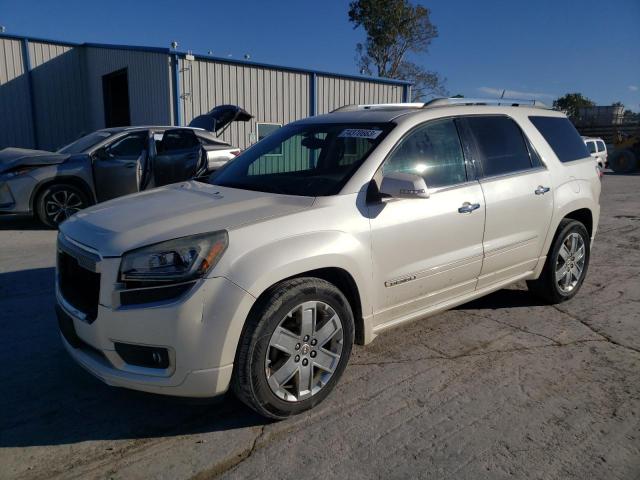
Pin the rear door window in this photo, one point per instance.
(174, 141)
(591, 146)
(501, 145)
(601, 147)
(562, 137)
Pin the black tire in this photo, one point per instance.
(546, 287)
(52, 196)
(623, 161)
(250, 383)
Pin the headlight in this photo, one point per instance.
(174, 261)
(18, 171)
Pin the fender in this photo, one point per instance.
(297, 254)
(70, 179)
(570, 196)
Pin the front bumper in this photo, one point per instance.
(15, 194)
(200, 330)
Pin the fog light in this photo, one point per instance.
(143, 356)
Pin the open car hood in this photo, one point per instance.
(218, 119)
(17, 157)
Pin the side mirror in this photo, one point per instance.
(403, 185)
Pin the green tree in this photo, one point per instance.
(395, 29)
(570, 103)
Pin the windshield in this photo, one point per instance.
(85, 143)
(306, 160)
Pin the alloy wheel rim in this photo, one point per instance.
(304, 351)
(62, 204)
(570, 262)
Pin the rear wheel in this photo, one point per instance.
(294, 348)
(58, 202)
(566, 265)
(623, 161)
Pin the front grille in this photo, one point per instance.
(79, 287)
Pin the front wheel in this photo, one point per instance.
(566, 265)
(294, 348)
(58, 202)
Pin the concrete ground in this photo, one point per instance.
(503, 387)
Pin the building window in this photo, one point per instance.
(266, 129)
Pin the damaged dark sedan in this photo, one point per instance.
(112, 162)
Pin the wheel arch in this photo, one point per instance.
(334, 256)
(343, 281)
(61, 180)
(582, 215)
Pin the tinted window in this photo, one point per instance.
(173, 140)
(562, 137)
(266, 129)
(130, 146)
(314, 159)
(601, 147)
(536, 161)
(501, 145)
(432, 151)
(591, 146)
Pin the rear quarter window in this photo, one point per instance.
(562, 137)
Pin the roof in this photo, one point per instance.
(383, 113)
(212, 58)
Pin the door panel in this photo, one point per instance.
(178, 158)
(117, 168)
(518, 197)
(426, 251)
(516, 224)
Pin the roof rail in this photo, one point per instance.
(377, 106)
(511, 102)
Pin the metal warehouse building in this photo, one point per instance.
(52, 92)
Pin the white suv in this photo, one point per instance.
(598, 150)
(327, 232)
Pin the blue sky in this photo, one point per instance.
(539, 49)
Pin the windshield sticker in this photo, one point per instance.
(360, 133)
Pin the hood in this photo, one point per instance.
(17, 157)
(218, 119)
(174, 211)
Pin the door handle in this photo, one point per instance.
(541, 190)
(468, 207)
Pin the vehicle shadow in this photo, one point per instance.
(49, 400)
(614, 174)
(9, 222)
(510, 298)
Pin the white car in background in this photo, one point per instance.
(326, 233)
(598, 150)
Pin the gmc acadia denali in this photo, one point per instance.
(324, 234)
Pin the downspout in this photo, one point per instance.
(175, 70)
(313, 99)
(405, 93)
(26, 58)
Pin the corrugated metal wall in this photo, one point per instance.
(59, 91)
(270, 95)
(334, 92)
(66, 83)
(15, 107)
(149, 85)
